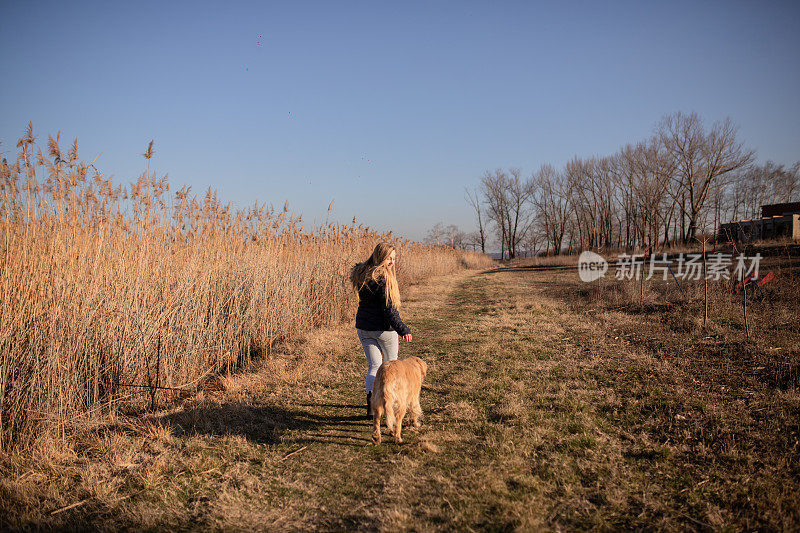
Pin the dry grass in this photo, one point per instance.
(548, 260)
(541, 411)
(673, 319)
(715, 413)
(548, 404)
(110, 294)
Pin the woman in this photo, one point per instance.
(378, 322)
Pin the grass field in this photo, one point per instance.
(545, 407)
(111, 295)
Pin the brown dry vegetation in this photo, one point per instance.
(669, 321)
(545, 407)
(107, 292)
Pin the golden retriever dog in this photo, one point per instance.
(395, 391)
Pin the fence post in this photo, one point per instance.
(705, 287)
(641, 285)
(744, 306)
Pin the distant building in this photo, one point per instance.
(778, 221)
(779, 210)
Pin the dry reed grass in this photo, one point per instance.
(109, 292)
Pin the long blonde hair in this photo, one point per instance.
(374, 269)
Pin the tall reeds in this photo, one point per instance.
(108, 290)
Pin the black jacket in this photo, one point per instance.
(374, 314)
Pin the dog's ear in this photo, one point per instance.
(423, 367)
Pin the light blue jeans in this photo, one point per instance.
(379, 346)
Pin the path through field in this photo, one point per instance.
(534, 417)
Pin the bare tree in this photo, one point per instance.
(472, 240)
(453, 236)
(699, 158)
(791, 184)
(507, 205)
(757, 185)
(531, 240)
(449, 235)
(518, 194)
(653, 171)
(672, 186)
(551, 203)
(590, 181)
(474, 201)
(436, 234)
(493, 187)
(624, 174)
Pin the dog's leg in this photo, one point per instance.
(416, 413)
(399, 423)
(376, 429)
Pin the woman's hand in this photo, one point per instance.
(407, 337)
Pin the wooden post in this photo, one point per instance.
(599, 291)
(705, 287)
(641, 285)
(744, 308)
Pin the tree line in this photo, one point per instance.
(674, 187)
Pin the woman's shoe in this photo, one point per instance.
(369, 404)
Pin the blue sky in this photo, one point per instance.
(389, 109)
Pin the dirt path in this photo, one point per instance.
(531, 420)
